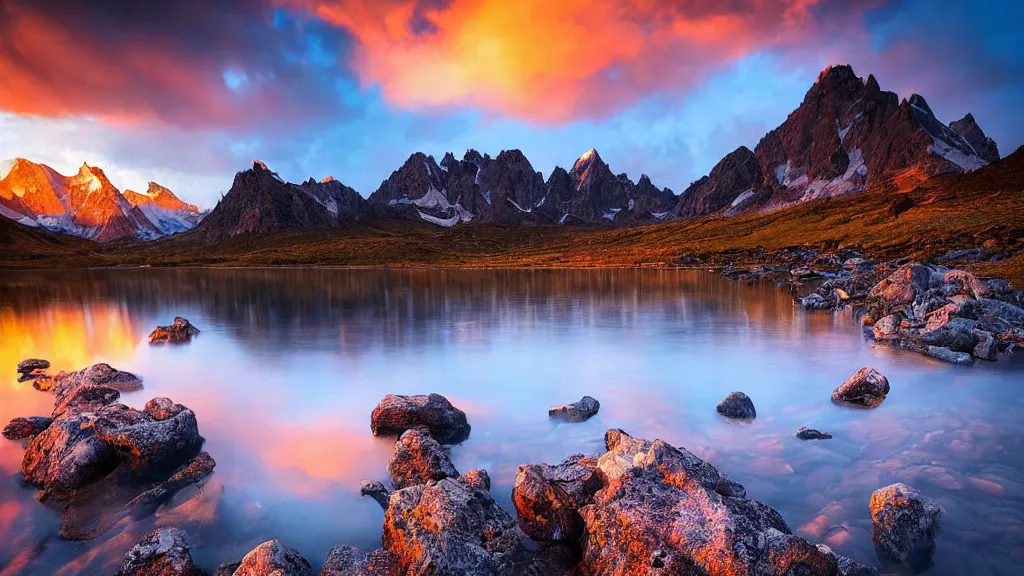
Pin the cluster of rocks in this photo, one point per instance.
(179, 332)
(946, 313)
(641, 507)
(799, 267)
(647, 507)
(99, 460)
(949, 314)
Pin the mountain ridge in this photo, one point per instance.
(846, 135)
(88, 205)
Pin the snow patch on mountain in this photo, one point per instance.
(742, 198)
(517, 206)
(446, 222)
(611, 213)
(966, 162)
(850, 181)
(433, 199)
(6, 166)
(168, 221)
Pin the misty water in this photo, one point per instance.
(290, 363)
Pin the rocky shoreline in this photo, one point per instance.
(930, 308)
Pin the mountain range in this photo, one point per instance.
(88, 205)
(845, 136)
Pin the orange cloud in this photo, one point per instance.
(50, 70)
(551, 61)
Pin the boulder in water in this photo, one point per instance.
(578, 411)
(662, 510)
(867, 387)
(395, 414)
(31, 365)
(737, 405)
(905, 521)
(179, 332)
(417, 459)
(162, 552)
(272, 558)
(805, 433)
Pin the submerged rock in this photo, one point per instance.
(815, 301)
(417, 459)
(376, 490)
(547, 498)
(867, 387)
(22, 428)
(395, 414)
(805, 433)
(577, 411)
(32, 365)
(905, 521)
(947, 355)
(162, 552)
(848, 567)
(179, 332)
(272, 558)
(192, 472)
(737, 405)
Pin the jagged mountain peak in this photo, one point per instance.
(918, 101)
(872, 84)
(836, 73)
(972, 133)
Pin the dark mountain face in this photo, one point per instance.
(260, 202)
(976, 138)
(732, 184)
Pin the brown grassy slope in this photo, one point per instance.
(905, 217)
(24, 247)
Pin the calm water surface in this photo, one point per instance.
(291, 363)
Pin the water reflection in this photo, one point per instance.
(291, 362)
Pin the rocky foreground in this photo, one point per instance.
(943, 312)
(641, 507)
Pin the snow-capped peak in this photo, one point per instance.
(327, 179)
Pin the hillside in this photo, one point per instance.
(901, 217)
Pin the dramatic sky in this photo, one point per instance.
(187, 92)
